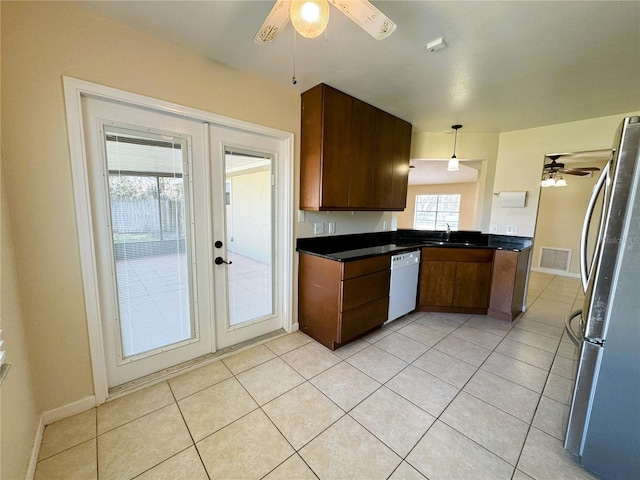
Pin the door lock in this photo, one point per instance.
(218, 244)
(220, 261)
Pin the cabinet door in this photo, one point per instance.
(437, 283)
(472, 285)
(401, 154)
(319, 298)
(363, 124)
(383, 160)
(336, 148)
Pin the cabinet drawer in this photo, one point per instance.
(457, 254)
(365, 266)
(367, 288)
(358, 320)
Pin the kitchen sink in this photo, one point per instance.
(451, 244)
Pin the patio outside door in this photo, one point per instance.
(244, 226)
(146, 169)
(185, 230)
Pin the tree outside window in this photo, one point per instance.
(434, 212)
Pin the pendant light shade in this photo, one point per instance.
(454, 164)
(309, 17)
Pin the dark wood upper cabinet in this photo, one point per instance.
(361, 168)
(401, 154)
(353, 155)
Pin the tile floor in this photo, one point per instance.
(445, 396)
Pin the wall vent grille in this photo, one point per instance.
(555, 258)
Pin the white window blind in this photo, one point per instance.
(435, 212)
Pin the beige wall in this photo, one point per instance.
(467, 193)
(41, 42)
(18, 409)
(521, 159)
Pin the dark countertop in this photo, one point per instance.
(344, 248)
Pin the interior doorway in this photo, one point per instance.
(561, 212)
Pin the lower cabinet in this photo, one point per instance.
(339, 301)
(509, 282)
(455, 280)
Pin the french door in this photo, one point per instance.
(185, 230)
(247, 262)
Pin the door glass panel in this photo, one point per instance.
(150, 240)
(249, 229)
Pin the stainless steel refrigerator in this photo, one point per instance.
(604, 421)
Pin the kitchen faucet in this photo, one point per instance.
(448, 236)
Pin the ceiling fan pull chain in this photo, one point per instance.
(293, 79)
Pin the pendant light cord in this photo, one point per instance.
(455, 138)
(455, 142)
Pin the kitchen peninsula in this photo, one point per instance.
(344, 280)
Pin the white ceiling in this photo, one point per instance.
(508, 65)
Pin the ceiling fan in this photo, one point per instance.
(559, 168)
(310, 17)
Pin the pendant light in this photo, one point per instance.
(454, 165)
(309, 17)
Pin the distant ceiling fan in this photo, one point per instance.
(559, 168)
(310, 18)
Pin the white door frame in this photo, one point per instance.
(74, 90)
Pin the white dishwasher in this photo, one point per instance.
(404, 284)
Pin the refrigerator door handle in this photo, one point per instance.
(567, 326)
(585, 270)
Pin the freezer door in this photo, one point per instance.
(611, 445)
(590, 355)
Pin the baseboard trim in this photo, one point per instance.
(65, 411)
(35, 450)
(52, 416)
(555, 272)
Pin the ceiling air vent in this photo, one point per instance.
(555, 258)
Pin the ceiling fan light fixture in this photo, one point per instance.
(560, 182)
(309, 17)
(548, 180)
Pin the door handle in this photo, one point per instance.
(585, 271)
(220, 261)
(567, 326)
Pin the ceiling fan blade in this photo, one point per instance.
(570, 171)
(366, 16)
(586, 169)
(276, 20)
